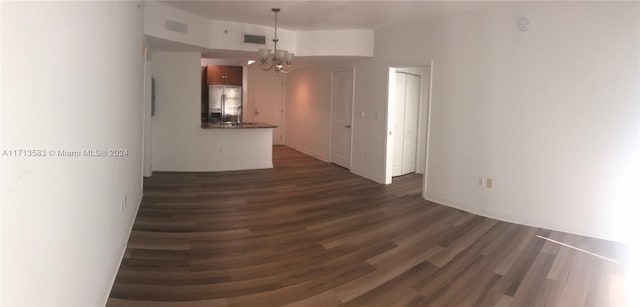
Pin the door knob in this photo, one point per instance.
(347, 126)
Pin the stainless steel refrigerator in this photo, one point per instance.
(225, 103)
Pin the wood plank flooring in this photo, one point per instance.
(308, 233)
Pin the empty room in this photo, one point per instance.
(319, 153)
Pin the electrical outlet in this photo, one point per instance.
(489, 183)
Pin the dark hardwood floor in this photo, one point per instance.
(308, 233)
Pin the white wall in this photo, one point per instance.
(178, 141)
(71, 79)
(551, 114)
(156, 14)
(307, 110)
(209, 34)
(536, 111)
(230, 36)
(335, 43)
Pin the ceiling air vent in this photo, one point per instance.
(176, 26)
(254, 39)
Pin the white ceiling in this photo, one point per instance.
(325, 15)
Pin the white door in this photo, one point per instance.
(398, 124)
(267, 107)
(342, 89)
(405, 126)
(410, 129)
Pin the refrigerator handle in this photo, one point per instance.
(222, 108)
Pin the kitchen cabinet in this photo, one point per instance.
(224, 75)
(204, 95)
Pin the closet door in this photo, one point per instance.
(398, 124)
(410, 129)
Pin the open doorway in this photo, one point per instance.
(267, 102)
(409, 92)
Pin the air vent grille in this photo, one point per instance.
(254, 39)
(176, 26)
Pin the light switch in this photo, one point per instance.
(361, 114)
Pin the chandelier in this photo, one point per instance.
(279, 58)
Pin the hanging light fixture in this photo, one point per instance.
(279, 58)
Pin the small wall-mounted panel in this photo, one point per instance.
(255, 39)
(175, 26)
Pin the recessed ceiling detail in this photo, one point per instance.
(215, 35)
(326, 15)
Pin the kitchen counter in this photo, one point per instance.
(219, 147)
(236, 126)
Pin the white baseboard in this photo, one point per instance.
(124, 250)
(515, 218)
(308, 152)
(365, 175)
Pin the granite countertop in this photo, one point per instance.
(209, 125)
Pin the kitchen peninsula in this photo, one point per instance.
(223, 125)
(236, 146)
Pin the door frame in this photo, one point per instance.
(388, 139)
(147, 167)
(352, 69)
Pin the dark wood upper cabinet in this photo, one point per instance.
(204, 95)
(234, 75)
(214, 75)
(224, 75)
